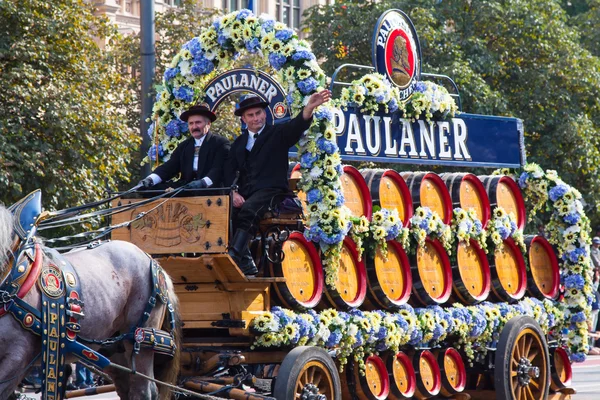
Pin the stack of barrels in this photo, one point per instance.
(427, 277)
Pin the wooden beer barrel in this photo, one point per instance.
(427, 371)
(453, 372)
(471, 274)
(373, 385)
(350, 288)
(468, 193)
(561, 371)
(390, 280)
(428, 190)
(356, 193)
(403, 381)
(504, 192)
(431, 274)
(303, 272)
(388, 190)
(543, 277)
(509, 277)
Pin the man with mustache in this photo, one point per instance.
(400, 64)
(258, 165)
(199, 159)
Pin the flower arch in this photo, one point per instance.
(294, 66)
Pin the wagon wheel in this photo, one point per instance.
(522, 368)
(307, 373)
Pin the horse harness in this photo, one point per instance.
(62, 305)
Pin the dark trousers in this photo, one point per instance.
(248, 216)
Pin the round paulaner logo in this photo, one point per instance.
(397, 52)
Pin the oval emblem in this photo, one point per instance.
(51, 281)
(397, 52)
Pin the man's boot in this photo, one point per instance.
(239, 251)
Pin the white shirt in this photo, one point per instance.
(197, 143)
(252, 138)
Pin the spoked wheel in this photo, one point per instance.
(522, 368)
(307, 373)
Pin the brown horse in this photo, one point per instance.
(116, 284)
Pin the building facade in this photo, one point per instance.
(126, 13)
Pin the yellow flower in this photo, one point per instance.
(379, 233)
(303, 73)
(358, 98)
(288, 50)
(226, 20)
(329, 134)
(329, 173)
(276, 45)
(499, 212)
(186, 54)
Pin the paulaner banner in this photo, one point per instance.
(467, 140)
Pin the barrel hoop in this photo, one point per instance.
(533, 285)
(376, 292)
(458, 386)
(362, 186)
(559, 354)
(411, 386)
(435, 369)
(383, 374)
(465, 295)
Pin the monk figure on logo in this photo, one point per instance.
(400, 65)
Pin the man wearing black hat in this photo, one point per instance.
(199, 158)
(258, 164)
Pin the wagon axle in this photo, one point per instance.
(526, 371)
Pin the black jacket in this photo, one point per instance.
(267, 164)
(211, 159)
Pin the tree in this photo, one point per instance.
(519, 58)
(60, 127)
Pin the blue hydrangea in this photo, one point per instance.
(308, 85)
(334, 338)
(420, 87)
(339, 169)
(324, 113)
(392, 105)
(172, 129)
(217, 24)
(301, 55)
(416, 337)
(326, 146)
(268, 25)
(150, 131)
(438, 331)
(314, 196)
(183, 126)
(202, 66)
(313, 233)
(332, 239)
(573, 256)
(575, 281)
(579, 317)
(578, 357)
(572, 218)
(478, 226)
(253, 45)
(424, 224)
(557, 192)
(152, 151)
(245, 13)
(184, 93)
(504, 232)
(289, 98)
(277, 61)
(171, 73)
(194, 46)
(307, 160)
(379, 97)
(284, 34)
(523, 180)
(222, 39)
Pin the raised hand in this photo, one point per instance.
(315, 101)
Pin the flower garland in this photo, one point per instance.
(297, 70)
(359, 333)
(372, 236)
(430, 100)
(426, 223)
(467, 227)
(567, 227)
(502, 226)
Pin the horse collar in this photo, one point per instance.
(22, 275)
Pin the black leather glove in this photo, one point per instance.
(199, 184)
(146, 182)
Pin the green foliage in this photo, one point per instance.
(60, 129)
(531, 59)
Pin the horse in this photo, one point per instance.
(116, 283)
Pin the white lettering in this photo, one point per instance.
(272, 92)
(354, 136)
(220, 88)
(244, 81)
(263, 87)
(235, 82)
(227, 82)
(339, 122)
(445, 151)
(373, 138)
(211, 93)
(408, 139)
(391, 147)
(255, 81)
(460, 138)
(427, 139)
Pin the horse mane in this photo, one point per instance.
(6, 236)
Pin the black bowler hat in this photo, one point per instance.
(198, 110)
(250, 102)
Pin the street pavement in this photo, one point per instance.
(586, 380)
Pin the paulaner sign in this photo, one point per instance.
(466, 140)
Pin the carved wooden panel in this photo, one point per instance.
(179, 225)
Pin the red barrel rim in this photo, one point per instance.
(523, 272)
(403, 298)
(445, 194)
(408, 212)
(295, 169)
(455, 355)
(385, 379)
(362, 185)
(518, 198)
(447, 270)
(412, 383)
(487, 211)
(362, 274)
(437, 386)
(485, 292)
(553, 261)
(562, 353)
(319, 278)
